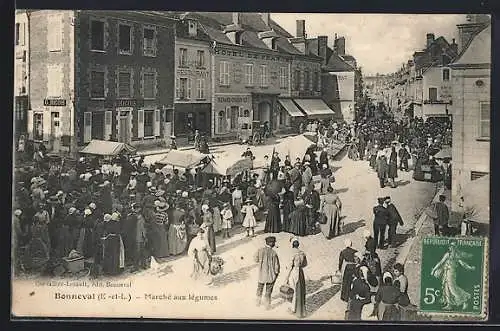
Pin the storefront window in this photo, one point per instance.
(38, 127)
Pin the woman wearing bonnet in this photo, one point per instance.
(359, 294)
(200, 253)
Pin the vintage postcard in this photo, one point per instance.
(257, 166)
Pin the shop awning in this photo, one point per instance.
(183, 159)
(314, 107)
(477, 200)
(295, 147)
(291, 108)
(106, 148)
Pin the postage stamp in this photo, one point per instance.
(452, 276)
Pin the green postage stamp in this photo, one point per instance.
(452, 278)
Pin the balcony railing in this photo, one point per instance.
(437, 102)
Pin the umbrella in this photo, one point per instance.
(476, 195)
(444, 153)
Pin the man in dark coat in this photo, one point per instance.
(275, 165)
(382, 169)
(140, 238)
(393, 166)
(443, 215)
(404, 156)
(394, 220)
(296, 179)
(381, 217)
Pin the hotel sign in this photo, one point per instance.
(129, 103)
(250, 55)
(191, 72)
(54, 102)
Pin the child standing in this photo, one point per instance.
(227, 220)
(249, 222)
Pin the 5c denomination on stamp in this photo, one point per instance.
(452, 276)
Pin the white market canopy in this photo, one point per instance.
(106, 148)
(296, 147)
(444, 153)
(225, 166)
(477, 200)
(183, 159)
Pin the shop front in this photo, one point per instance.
(232, 115)
(315, 109)
(289, 116)
(189, 117)
(266, 109)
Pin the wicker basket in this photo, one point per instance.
(286, 292)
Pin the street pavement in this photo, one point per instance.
(357, 186)
(232, 293)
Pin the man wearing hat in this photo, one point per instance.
(296, 179)
(380, 221)
(269, 269)
(173, 144)
(393, 221)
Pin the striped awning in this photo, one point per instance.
(314, 107)
(290, 108)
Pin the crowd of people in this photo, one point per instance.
(122, 214)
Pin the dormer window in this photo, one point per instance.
(237, 37)
(192, 28)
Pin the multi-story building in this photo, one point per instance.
(193, 80)
(471, 108)
(99, 75)
(21, 69)
(252, 60)
(431, 81)
(338, 88)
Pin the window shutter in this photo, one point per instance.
(58, 28)
(157, 123)
(87, 125)
(29, 124)
(140, 123)
(21, 34)
(189, 81)
(108, 120)
(46, 125)
(221, 72)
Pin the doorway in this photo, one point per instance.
(55, 132)
(264, 112)
(124, 135)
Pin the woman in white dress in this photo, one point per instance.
(200, 253)
(249, 222)
(227, 220)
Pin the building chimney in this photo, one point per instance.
(469, 29)
(339, 46)
(454, 46)
(266, 17)
(430, 39)
(301, 28)
(322, 47)
(236, 18)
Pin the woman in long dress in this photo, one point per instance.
(208, 225)
(237, 200)
(113, 253)
(216, 218)
(287, 207)
(157, 236)
(298, 219)
(386, 299)
(249, 222)
(360, 294)
(296, 280)
(200, 253)
(39, 246)
(177, 234)
(446, 271)
(331, 207)
(86, 241)
(347, 265)
(273, 217)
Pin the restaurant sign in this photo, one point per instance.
(54, 102)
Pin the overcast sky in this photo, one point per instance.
(379, 42)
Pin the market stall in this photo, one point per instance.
(183, 159)
(107, 148)
(295, 147)
(227, 167)
(476, 204)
